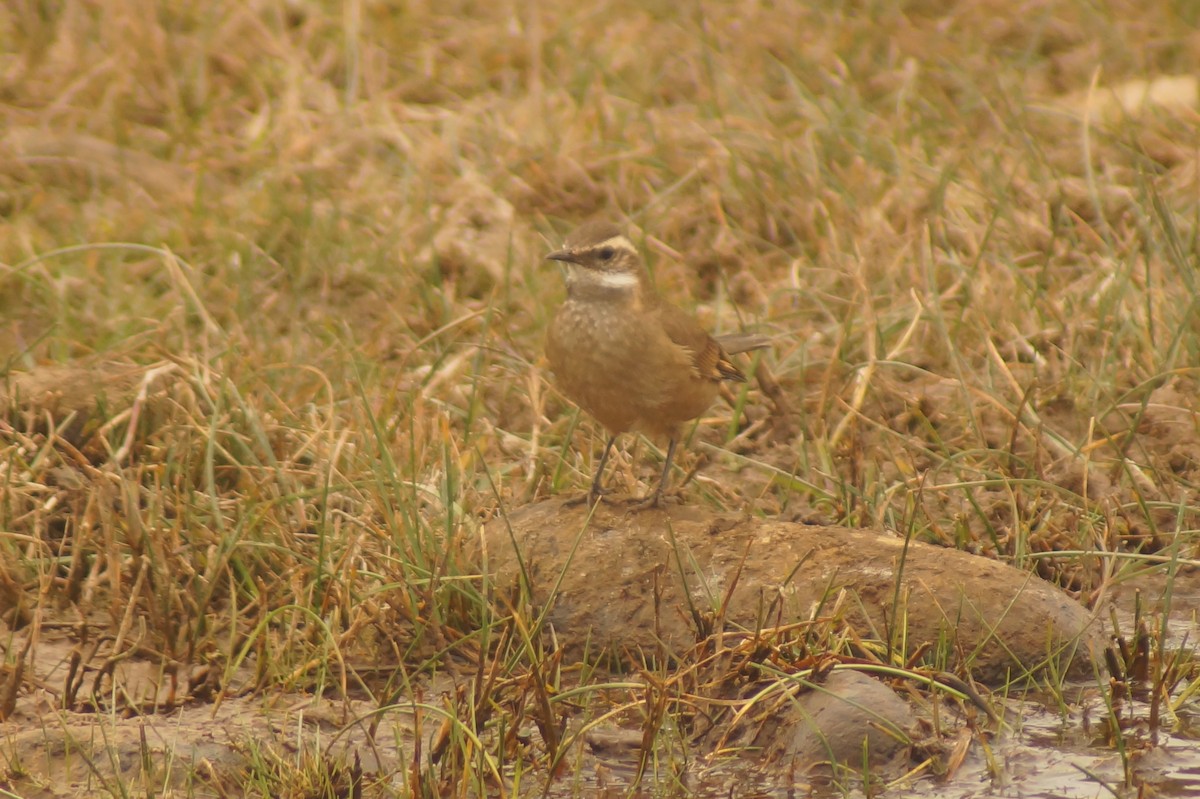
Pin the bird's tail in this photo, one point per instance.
(734, 343)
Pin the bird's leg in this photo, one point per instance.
(654, 500)
(596, 491)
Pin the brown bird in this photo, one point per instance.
(626, 356)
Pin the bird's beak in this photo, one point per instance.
(563, 255)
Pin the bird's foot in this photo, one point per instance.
(592, 497)
(658, 499)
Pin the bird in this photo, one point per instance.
(629, 358)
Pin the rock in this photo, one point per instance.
(629, 582)
(848, 718)
(83, 397)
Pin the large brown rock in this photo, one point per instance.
(630, 581)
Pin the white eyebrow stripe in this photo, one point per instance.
(617, 243)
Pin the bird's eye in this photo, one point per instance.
(606, 253)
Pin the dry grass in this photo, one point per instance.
(321, 227)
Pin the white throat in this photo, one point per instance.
(616, 280)
(609, 280)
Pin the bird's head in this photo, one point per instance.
(600, 255)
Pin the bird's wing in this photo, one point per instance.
(708, 357)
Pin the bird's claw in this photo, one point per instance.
(658, 499)
(592, 497)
